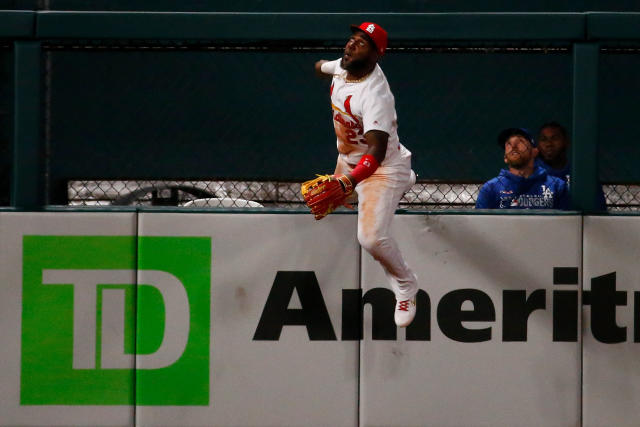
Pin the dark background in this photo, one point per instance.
(204, 111)
(327, 5)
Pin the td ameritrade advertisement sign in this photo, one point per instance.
(95, 325)
(115, 320)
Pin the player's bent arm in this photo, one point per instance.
(319, 72)
(377, 142)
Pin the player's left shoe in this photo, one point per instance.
(405, 312)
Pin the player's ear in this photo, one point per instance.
(535, 152)
(505, 158)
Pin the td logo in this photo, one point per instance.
(115, 320)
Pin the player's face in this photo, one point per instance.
(518, 152)
(551, 143)
(357, 52)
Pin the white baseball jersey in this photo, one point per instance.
(359, 107)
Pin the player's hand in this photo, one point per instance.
(326, 193)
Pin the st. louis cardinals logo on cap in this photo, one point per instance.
(376, 33)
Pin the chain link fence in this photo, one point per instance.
(622, 197)
(244, 194)
(257, 194)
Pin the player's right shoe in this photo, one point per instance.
(405, 312)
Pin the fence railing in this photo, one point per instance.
(242, 194)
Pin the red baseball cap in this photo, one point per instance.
(376, 33)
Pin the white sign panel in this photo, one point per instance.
(208, 319)
(257, 301)
(611, 321)
(496, 337)
(63, 316)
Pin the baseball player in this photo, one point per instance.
(371, 158)
(522, 185)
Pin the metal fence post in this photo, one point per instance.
(584, 147)
(27, 189)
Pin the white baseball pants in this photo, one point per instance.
(378, 198)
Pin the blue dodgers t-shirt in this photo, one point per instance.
(538, 191)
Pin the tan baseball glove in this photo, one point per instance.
(326, 193)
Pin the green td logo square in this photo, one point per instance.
(115, 320)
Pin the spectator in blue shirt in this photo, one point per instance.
(553, 144)
(522, 185)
